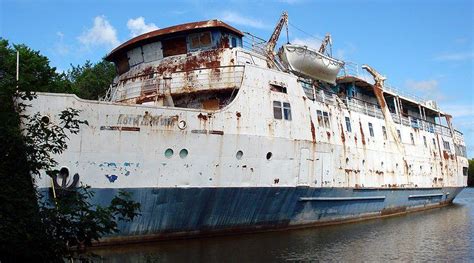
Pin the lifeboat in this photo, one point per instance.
(308, 62)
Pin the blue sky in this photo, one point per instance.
(423, 47)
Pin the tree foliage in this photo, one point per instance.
(35, 227)
(91, 81)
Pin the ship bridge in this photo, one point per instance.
(191, 65)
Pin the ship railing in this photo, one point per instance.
(203, 79)
(374, 110)
(355, 70)
(364, 107)
(254, 43)
(458, 135)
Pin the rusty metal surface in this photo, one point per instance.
(154, 35)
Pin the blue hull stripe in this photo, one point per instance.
(190, 211)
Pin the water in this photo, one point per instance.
(444, 234)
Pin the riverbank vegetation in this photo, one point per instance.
(45, 227)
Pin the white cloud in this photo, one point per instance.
(460, 56)
(422, 85)
(137, 26)
(427, 89)
(311, 42)
(238, 19)
(462, 111)
(102, 33)
(60, 47)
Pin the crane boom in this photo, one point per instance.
(379, 79)
(274, 38)
(327, 41)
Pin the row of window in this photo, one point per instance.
(384, 132)
(282, 110)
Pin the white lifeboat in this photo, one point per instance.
(308, 62)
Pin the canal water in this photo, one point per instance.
(442, 234)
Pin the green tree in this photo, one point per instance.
(91, 81)
(33, 227)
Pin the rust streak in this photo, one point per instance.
(362, 133)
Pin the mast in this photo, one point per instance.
(274, 38)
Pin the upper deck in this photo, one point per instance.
(201, 65)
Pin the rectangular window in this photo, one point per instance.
(277, 88)
(308, 89)
(465, 171)
(348, 124)
(434, 142)
(234, 42)
(384, 131)
(277, 110)
(446, 145)
(174, 46)
(320, 118)
(200, 40)
(287, 111)
(327, 123)
(399, 135)
(371, 130)
(424, 141)
(412, 138)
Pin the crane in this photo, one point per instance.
(327, 41)
(274, 38)
(379, 79)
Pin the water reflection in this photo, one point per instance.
(443, 234)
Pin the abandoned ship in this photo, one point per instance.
(215, 131)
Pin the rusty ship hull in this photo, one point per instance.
(170, 213)
(212, 137)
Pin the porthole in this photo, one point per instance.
(183, 153)
(239, 155)
(381, 164)
(363, 162)
(182, 125)
(169, 153)
(269, 155)
(347, 160)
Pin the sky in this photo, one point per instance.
(425, 48)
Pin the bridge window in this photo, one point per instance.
(234, 42)
(174, 46)
(348, 124)
(200, 40)
(371, 129)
